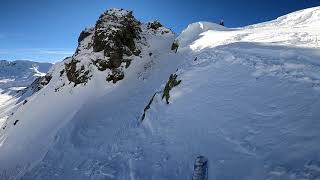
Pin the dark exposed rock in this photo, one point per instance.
(46, 79)
(102, 64)
(77, 76)
(59, 87)
(200, 171)
(116, 75)
(147, 107)
(172, 82)
(25, 102)
(62, 72)
(137, 52)
(116, 35)
(15, 122)
(38, 84)
(175, 46)
(114, 41)
(154, 25)
(128, 62)
(83, 35)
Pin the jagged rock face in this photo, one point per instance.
(116, 39)
(85, 33)
(77, 76)
(114, 35)
(172, 82)
(157, 27)
(38, 84)
(154, 25)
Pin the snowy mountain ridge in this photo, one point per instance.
(303, 18)
(20, 73)
(137, 102)
(14, 77)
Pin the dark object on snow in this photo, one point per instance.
(147, 107)
(175, 46)
(154, 25)
(15, 122)
(172, 82)
(38, 84)
(200, 171)
(116, 75)
(195, 59)
(221, 23)
(25, 102)
(77, 76)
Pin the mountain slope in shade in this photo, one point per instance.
(126, 106)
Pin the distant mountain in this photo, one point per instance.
(136, 101)
(19, 80)
(21, 73)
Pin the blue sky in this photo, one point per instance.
(47, 30)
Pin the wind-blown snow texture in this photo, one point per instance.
(248, 101)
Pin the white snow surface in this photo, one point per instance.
(14, 77)
(248, 100)
(20, 72)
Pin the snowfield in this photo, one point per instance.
(248, 101)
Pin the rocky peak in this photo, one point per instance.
(115, 32)
(116, 39)
(154, 25)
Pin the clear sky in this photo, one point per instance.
(47, 30)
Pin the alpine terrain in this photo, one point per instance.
(15, 76)
(136, 101)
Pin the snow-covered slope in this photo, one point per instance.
(14, 77)
(125, 106)
(20, 73)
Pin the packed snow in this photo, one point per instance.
(248, 101)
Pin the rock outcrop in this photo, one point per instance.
(116, 39)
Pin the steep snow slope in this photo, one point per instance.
(248, 96)
(90, 75)
(15, 76)
(20, 73)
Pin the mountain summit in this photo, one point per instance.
(135, 101)
(116, 40)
